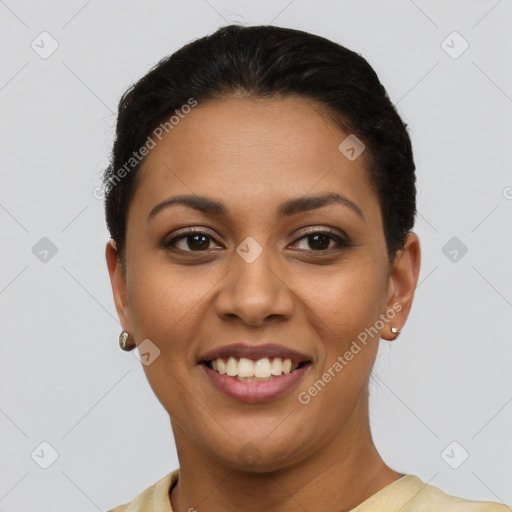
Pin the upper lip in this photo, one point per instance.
(254, 352)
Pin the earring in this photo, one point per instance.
(396, 332)
(123, 342)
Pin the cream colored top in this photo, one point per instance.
(407, 494)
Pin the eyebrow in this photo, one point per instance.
(290, 207)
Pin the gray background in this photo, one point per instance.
(64, 379)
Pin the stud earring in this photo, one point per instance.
(396, 332)
(123, 342)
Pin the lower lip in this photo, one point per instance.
(252, 392)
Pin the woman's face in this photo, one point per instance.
(256, 274)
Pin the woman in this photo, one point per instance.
(260, 199)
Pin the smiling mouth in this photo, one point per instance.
(249, 370)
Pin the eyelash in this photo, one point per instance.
(342, 243)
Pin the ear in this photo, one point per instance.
(403, 280)
(117, 280)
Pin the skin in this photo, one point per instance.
(252, 155)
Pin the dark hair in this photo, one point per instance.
(264, 62)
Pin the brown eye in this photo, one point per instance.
(189, 241)
(320, 241)
(195, 242)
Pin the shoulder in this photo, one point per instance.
(154, 498)
(425, 498)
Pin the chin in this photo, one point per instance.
(258, 457)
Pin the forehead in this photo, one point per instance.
(254, 151)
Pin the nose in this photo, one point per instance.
(254, 292)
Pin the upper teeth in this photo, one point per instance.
(243, 367)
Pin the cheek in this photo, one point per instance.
(167, 304)
(344, 302)
(161, 300)
(340, 307)
(164, 306)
